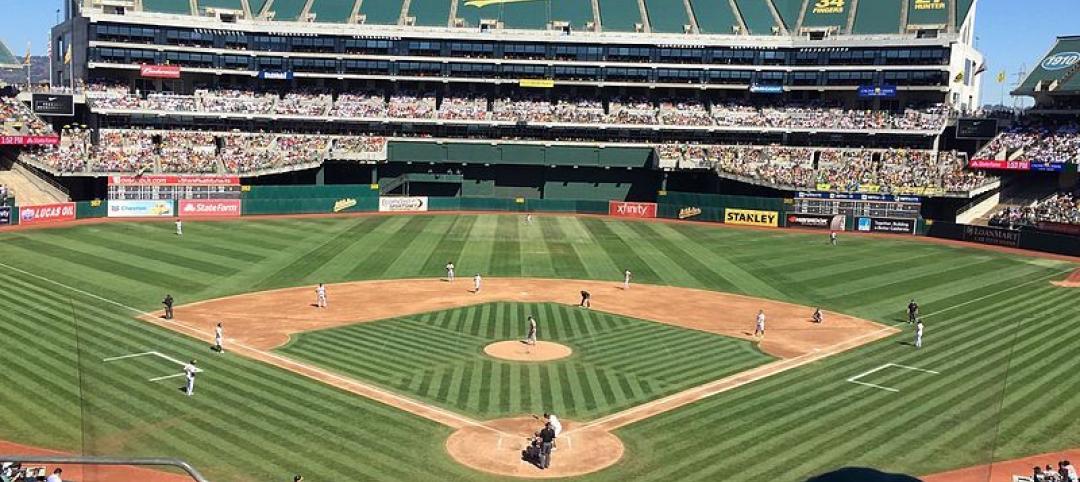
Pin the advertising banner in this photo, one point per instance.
(276, 74)
(750, 217)
(994, 236)
(870, 91)
(814, 221)
(400, 204)
(996, 164)
(536, 83)
(53, 104)
(5, 215)
(47, 213)
(766, 89)
(884, 225)
(160, 71)
(140, 208)
(1048, 166)
(209, 208)
(29, 140)
(631, 209)
(166, 180)
(1070, 229)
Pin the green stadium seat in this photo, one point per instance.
(789, 11)
(332, 11)
(229, 4)
(619, 15)
(287, 10)
(824, 14)
(667, 16)
(430, 13)
(759, 19)
(576, 12)
(167, 6)
(714, 16)
(381, 12)
(928, 12)
(878, 17)
(525, 15)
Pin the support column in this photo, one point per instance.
(320, 176)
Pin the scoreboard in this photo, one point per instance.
(161, 187)
(858, 205)
(976, 128)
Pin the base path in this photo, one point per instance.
(91, 473)
(497, 448)
(1073, 281)
(1005, 470)
(515, 350)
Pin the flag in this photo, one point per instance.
(981, 69)
(1001, 77)
(959, 77)
(26, 59)
(67, 56)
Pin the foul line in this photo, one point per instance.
(157, 354)
(855, 379)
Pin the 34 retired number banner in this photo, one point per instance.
(210, 208)
(624, 209)
(399, 204)
(47, 213)
(749, 217)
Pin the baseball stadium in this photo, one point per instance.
(585, 240)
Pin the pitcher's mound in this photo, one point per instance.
(517, 351)
(496, 448)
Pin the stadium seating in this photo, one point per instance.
(1036, 141)
(1060, 208)
(16, 119)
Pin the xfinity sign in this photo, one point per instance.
(1061, 60)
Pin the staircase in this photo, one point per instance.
(30, 188)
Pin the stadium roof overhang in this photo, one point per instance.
(7, 59)
(1058, 73)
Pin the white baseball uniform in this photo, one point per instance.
(626, 279)
(450, 271)
(320, 296)
(219, 338)
(179, 228)
(476, 283)
(530, 337)
(555, 424)
(918, 335)
(189, 373)
(760, 328)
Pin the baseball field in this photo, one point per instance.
(382, 383)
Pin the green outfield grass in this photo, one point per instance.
(618, 362)
(1003, 340)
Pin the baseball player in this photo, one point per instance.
(530, 336)
(626, 279)
(528, 218)
(918, 333)
(320, 296)
(179, 228)
(476, 283)
(168, 302)
(818, 317)
(586, 299)
(832, 238)
(912, 311)
(189, 373)
(449, 271)
(219, 337)
(554, 421)
(759, 329)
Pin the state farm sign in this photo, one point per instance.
(625, 209)
(210, 208)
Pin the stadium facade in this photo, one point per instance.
(644, 88)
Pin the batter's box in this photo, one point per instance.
(157, 354)
(855, 379)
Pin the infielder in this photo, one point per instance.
(818, 317)
(320, 296)
(626, 279)
(449, 271)
(759, 329)
(476, 283)
(918, 334)
(530, 336)
(189, 373)
(219, 338)
(586, 299)
(179, 228)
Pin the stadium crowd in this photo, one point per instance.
(1065, 472)
(1036, 141)
(526, 107)
(16, 119)
(1061, 208)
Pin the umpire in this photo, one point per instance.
(912, 311)
(168, 302)
(547, 440)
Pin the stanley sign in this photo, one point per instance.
(747, 217)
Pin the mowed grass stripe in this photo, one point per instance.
(378, 260)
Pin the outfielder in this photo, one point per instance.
(179, 228)
(476, 283)
(832, 238)
(918, 334)
(530, 336)
(219, 338)
(626, 279)
(189, 373)
(759, 329)
(320, 296)
(449, 271)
